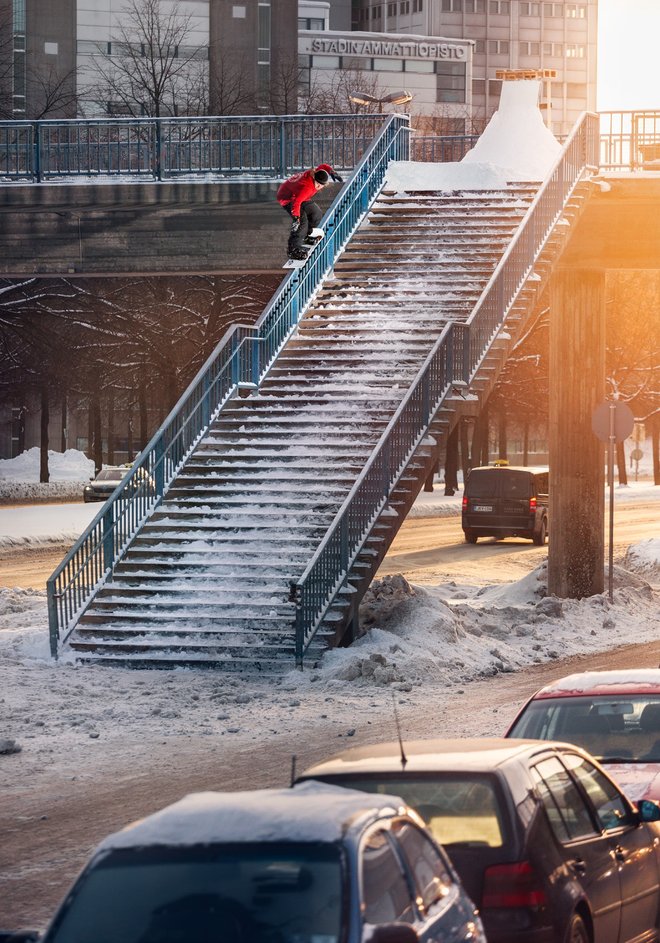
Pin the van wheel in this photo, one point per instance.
(576, 932)
(470, 538)
(539, 539)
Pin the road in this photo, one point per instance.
(52, 814)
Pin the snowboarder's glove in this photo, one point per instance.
(295, 225)
(337, 178)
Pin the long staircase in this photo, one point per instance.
(276, 498)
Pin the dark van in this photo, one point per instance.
(502, 501)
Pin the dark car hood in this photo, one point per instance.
(638, 780)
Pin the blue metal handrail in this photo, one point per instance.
(455, 357)
(243, 356)
(265, 146)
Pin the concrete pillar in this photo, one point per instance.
(577, 476)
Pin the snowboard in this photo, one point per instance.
(312, 239)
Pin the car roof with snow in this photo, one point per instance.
(469, 754)
(623, 681)
(308, 812)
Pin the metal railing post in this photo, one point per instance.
(159, 467)
(282, 168)
(108, 543)
(53, 626)
(36, 150)
(159, 150)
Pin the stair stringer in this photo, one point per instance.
(460, 402)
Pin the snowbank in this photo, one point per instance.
(19, 477)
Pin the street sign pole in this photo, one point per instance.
(611, 440)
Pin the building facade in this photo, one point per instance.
(507, 34)
(229, 56)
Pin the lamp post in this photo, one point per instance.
(394, 98)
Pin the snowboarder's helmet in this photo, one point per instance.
(321, 176)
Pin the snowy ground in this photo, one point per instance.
(420, 641)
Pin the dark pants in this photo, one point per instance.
(311, 215)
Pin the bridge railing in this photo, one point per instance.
(242, 358)
(168, 148)
(454, 358)
(629, 140)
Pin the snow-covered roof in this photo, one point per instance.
(422, 756)
(307, 812)
(624, 681)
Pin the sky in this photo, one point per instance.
(628, 60)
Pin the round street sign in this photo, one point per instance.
(636, 455)
(623, 421)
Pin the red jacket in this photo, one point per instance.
(300, 188)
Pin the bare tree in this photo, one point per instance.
(229, 91)
(332, 97)
(153, 68)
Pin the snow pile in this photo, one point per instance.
(71, 465)
(44, 525)
(516, 146)
(516, 137)
(644, 558)
(68, 471)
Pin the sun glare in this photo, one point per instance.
(628, 61)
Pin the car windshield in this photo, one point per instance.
(110, 474)
(458, 808)
(611, 727)
(271, 893)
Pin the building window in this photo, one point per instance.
(475, 6)
(391, 9)
(238, 13)
(450, 81)
(553, 9)
(419, 65)
(480, 47)
(418, 6)
(452, 6)
(530, 49)
(478, 88)
(530, 9)
(376, 13)
(556, 50)
(388, 65)
(575, 51)
(404, 6)
(499, 6)
(494, 88)
(326, 62)
(357, 63)
(311, 22)
(498, 47)
(575, 11)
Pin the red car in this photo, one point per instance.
(614, 715)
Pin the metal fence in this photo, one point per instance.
(242, 357)
(441, 148)
(629, 140)
(169, 148)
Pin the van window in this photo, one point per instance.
(482, 484)
(515, 484)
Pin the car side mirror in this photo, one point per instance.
(391, 933)
(649, 810)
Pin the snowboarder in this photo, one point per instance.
(295, 196)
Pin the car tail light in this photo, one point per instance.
(512, 885)
(465, 503)
(532, 505)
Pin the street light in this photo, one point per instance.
(394, 98)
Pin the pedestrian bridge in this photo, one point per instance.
(250, 527)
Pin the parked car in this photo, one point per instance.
(615, 715)
(310, 864)
(101, 487)
(547, 846)
(503, 501)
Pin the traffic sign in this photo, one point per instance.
(623, 421)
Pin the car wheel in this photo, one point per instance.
(539, 539)
(576, 932)
(470, 538)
